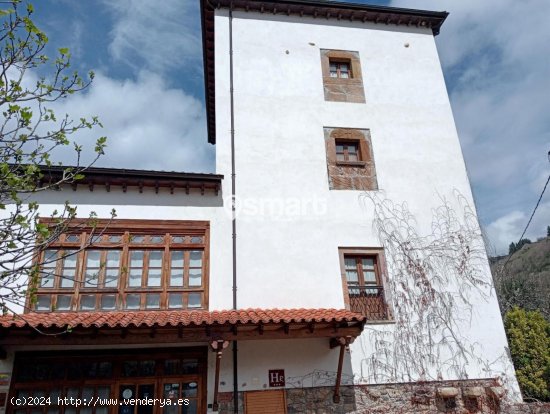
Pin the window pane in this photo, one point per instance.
(189, 389)
(50, 257)
(69, 261)
(195, 258)
(88, 393)
(176, 259)
(175, 301)
(64, 302)
(153, 278)
(194, 300)
(353, 157)
(195, 277)
(108, 302)
(350, 263)
(176, 277)
(67, 278)
(87, 302)
(93, 266)
(93, 258)
(72, 238)
(133, 301)
(136, 258)
(339, 149)
(153, 301)
(114, 238)
(135, 278)
(155, 258)
(46, 278)
(172, 390)
(113, 258)
(368, 264)
(351, 276)
(91, 278)
(137, 239)
(103, 392)
(43, 302)
(370, 277)
(196, 239)
(111, 278)
(191, 408)
(178, 239)
(157, 239)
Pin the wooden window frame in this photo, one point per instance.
(196, 237)
(338, 63)
(380, 272)
(346, 142)
(117, 378)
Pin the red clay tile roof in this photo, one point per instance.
(177, 318)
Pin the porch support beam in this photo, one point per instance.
(218, 347)
(343, 342)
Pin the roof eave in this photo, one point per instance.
(329, 9)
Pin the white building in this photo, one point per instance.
(327, 118)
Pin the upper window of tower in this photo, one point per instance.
(342, 79)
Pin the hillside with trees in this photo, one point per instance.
(522, 279)
(522, 282)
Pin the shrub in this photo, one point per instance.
(529, 339)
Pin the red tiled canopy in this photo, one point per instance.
(178, 318)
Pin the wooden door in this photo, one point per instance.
(265, 402)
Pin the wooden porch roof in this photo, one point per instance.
(177, 326)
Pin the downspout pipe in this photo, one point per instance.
(233, 210)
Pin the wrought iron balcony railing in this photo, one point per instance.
(369, 301)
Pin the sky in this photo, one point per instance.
(149, 92)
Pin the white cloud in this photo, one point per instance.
(493, 55)
(508, 228)
(159, 36)
(148, 124)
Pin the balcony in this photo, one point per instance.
(369, 301)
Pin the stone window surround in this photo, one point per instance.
(342, 89)
(365, 155)
(378, 254)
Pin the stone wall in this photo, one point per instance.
(471, 396)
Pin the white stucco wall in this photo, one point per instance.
(290, 225)
(291, 260)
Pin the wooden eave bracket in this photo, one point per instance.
(217, 346)
(343, 342)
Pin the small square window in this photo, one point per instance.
(347, 151)
(350, 161)
(340, 69)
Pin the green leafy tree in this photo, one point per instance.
(548, 231)
(30, 132)
(529, 338)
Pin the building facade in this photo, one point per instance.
(333, 263)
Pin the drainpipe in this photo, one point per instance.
(233, 211)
